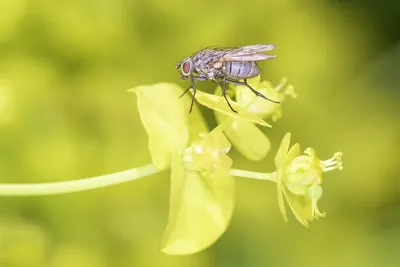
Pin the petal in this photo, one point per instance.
(282, 151)
(292, 154)
(254, 82)
(292, 200)
(297, 188)
(280, 164)
(249, 140)
(281, 203)
(164, 119)
(244, 96)
(219, 104)
(301, 207)
(200, 210)
(257, 105)
(265, 108)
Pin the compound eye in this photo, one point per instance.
(186, 68)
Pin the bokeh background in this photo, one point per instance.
(65, 114)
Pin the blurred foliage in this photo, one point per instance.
(65, 114)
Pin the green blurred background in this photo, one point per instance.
(65, 114)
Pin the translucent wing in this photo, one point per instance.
(247, 53)
(256, 48)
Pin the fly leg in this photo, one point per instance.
(194, 94)
(187, 90)
(224, 93)
(192, 78)
(254, 91)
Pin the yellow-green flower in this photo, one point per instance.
(202, 186)
(202, 195)
(208, 155)
(259, 106)
(202, 191)
(248, 139)
(299, 179)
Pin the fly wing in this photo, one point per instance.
(257, 48)
(247, 57)
(247, 53)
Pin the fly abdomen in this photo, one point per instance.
(241, 69)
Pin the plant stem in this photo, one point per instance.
(254, 175)
(64, 187)
(56, 188)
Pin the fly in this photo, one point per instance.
(224, 65)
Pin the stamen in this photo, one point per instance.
(333, 163)
(280, 85)
(188, 151)
(315, 211)
(188, 159)
(340, 166)
(290, 91)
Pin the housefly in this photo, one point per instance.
(224, 65)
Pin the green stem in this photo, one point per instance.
(254, 175)
(56, 188)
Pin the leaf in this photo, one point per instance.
(219, 104)
(200, 210)
(164, 119)
(249, 140)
